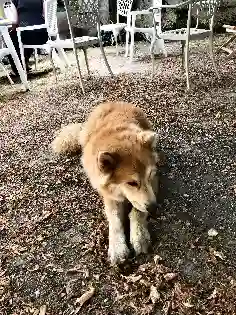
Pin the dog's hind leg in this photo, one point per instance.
(139, 235)
(118, 249)
(68, 139)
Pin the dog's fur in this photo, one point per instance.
(119, 157)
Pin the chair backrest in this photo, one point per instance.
(207, 6)
(5, 11)
(204, 9)
(2, 15)
(9, 11)
(157, 14)
(84, 14)
(6, 40)
(50, 12)
(123, 7)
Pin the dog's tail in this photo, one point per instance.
(68, 139)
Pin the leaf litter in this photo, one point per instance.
(52, 227)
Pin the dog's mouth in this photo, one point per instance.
(139, 207)
(150, 209)
(129, 205)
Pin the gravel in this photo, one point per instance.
(53, 234)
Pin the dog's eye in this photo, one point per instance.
(133, 184)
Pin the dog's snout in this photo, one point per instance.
(152, 207)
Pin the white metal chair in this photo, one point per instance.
(87, 17)
(203, 8)
(50, 11)
(123, 9)
(4, 51)
(10, 50)
(131, 29)
(230, 52)
(7, 11)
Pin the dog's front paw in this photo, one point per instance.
(118, 252)
(140, 240)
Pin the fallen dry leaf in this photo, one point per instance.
(42, 310)
(133, 278)
(167, 308)
(219, 254)
(234, 188)
(84, 298)
(188, 305)
(214, 254)
(233, 283)
(145, 282)
(213, 294)
(212, 232)
(36, 312)
(154, 294)
(157, 258)
(133, 306)
(170, 276)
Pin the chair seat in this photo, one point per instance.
(43, 46)
(181, 34)
(79, 41)
(148, 30)
(31, 27)
(113, 27)
(230, 30)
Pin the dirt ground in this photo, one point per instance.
(53, 233)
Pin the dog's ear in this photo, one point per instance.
(148, 137)
(107, 162)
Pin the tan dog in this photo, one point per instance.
(118, 155)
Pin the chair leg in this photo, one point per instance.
(15, 57)
(187, 64)
(22, 56)
(183, 48)
(152, 54)
(105, 58)
(78, 68)
(227, 43)
(212, 54)
(231, 54)
(127, 44)
(163, 48)
(115, 34)
(52, 63)
(63, 56)
(132, 46)
(6, 73)
(22, 73)
(86, 60)
(58, 58)
(36, 59)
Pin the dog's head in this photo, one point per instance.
(128, 170)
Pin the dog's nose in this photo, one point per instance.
(152, 207)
